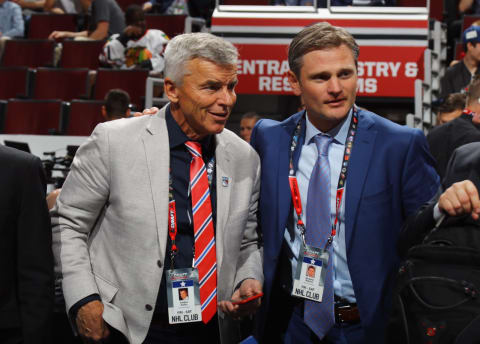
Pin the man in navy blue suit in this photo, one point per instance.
(349, 200)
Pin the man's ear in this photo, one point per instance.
(104, 112)
(171, 90)
(294, 83)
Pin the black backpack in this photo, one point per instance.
(437, 294)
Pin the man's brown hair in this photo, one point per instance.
(319, 36)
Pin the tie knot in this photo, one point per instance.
(194, 147)
(322, 142)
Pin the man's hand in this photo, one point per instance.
(151, 111)
(460, 198)
(132, 31)
(249, 287)
(90, 324)
(60, 34)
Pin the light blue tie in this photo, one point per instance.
(320, 316)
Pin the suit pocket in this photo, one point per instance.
(106, 289)
(376, 196)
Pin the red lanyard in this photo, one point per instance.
(172, 209)
(292, 178)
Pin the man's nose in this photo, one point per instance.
(334, 86)
(227, 97)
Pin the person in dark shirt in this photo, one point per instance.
(458, 76)
(443, 140)
(26, 261)
(106, 19)
(451, 108)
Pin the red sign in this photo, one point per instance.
(262, 69)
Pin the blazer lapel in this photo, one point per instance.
(284, 196)
(157, 153)
(357, 170)
(223, 180)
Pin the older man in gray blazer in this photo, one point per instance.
(128, 213)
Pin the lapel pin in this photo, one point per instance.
(225, 181)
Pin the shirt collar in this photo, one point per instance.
(339, 133)
(177, 137)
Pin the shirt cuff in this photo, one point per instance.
(76, 307)
(437, 213)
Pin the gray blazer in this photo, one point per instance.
(110, 221)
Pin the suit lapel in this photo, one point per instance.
(157, 153)
(357, 170)
(224, 180)
(283, 157)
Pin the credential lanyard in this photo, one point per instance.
(172, 210)
(292, 178)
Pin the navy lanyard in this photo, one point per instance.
(292, 178)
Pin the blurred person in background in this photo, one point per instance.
(247, 123)
(444, 139)
(26, 260)
(135, 47)
(11, 22)
(451, 108)
(106, 19)
(459, 75)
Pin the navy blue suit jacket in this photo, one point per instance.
(390, 176)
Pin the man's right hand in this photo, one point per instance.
(460, 198)
(90, 324)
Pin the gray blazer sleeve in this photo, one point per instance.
(84, 195)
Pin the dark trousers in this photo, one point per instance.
(285, 325)
(161, 332)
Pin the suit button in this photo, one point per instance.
(148, 307)
(159, 263)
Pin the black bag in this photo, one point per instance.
(437, 295)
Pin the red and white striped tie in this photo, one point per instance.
(205, 254)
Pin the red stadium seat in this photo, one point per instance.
(14, 82)
(35, 117)
(83, 116)
(81, 54)
(125, 3)
(459, 51)
(468, 20)
(436, 10)
(61, 83)
(132, 81)
(30, 53)
(172, 25)
(43, 24)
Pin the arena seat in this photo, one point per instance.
(172, 25)
(43, 24)
(28, 52)
(35, 117)
(83, 116)
(125, 3)
(458, 51)
(132, 81)
(81, 54)
(60, 83)
(468, 20)
(15, 82)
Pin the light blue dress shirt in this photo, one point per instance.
(11, 20)
(342, 283)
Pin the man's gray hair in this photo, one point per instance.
(186, 47)
(319, 36)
